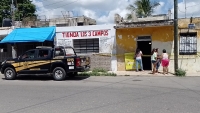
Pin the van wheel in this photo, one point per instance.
(59, 74)
(9, 73)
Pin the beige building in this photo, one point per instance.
(72, 21)
(120, 20)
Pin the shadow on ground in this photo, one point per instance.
(47, 78)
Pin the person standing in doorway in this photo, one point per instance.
(154, 59)
(138, 59)
(158, 61)
(165, 62)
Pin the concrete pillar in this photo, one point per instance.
(14, 51)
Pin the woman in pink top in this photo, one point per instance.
(165, 61)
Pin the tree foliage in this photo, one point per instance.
(24, 8)
(142, 8)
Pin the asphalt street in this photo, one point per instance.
(121, 94)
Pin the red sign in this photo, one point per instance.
(85, 33)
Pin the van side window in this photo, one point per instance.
(43, 53)
(29, 55)
(59, 52)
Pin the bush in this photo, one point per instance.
(94, 74)
(180, 72)
(109, 74)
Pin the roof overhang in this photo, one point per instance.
(142, 24)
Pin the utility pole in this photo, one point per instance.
(13, 13)
(185, 8)
(175, 35)
(14, 52)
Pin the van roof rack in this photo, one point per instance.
(39, 47)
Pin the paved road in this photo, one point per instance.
(101, 95)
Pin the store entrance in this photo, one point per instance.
(145, 47)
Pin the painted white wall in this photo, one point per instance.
(190, 63)
(162, 45)
(107, 44)
(5, 32)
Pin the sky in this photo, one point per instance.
(103, 11)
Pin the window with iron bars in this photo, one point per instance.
(86, 45)
(188, 44)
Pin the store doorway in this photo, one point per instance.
(144, 44)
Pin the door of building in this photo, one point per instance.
(144, 44)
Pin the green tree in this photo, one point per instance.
(142, 8)
(4, 10)
(24, 8)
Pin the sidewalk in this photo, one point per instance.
(149, 73)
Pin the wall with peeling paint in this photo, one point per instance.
(162, 38)
(190, 63)
(106, 43)
(183, 23)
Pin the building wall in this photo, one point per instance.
(5, 31)
(190, 63)
(7, 51)
(6, 54)
(183, 23)
(104, 58)
(162, 37)
(72, 21)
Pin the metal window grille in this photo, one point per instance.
(188, 44)
(86, 45)
(144, 38)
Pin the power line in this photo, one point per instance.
(51, 4)
(60, 5)
(64, 5)
(187, 7)
(193, 5)
(180, 10)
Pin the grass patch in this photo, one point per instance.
(96, 70)
(180, 73)
(96, 74)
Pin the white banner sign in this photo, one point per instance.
(84, 34)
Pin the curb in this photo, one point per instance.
(146, 75)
